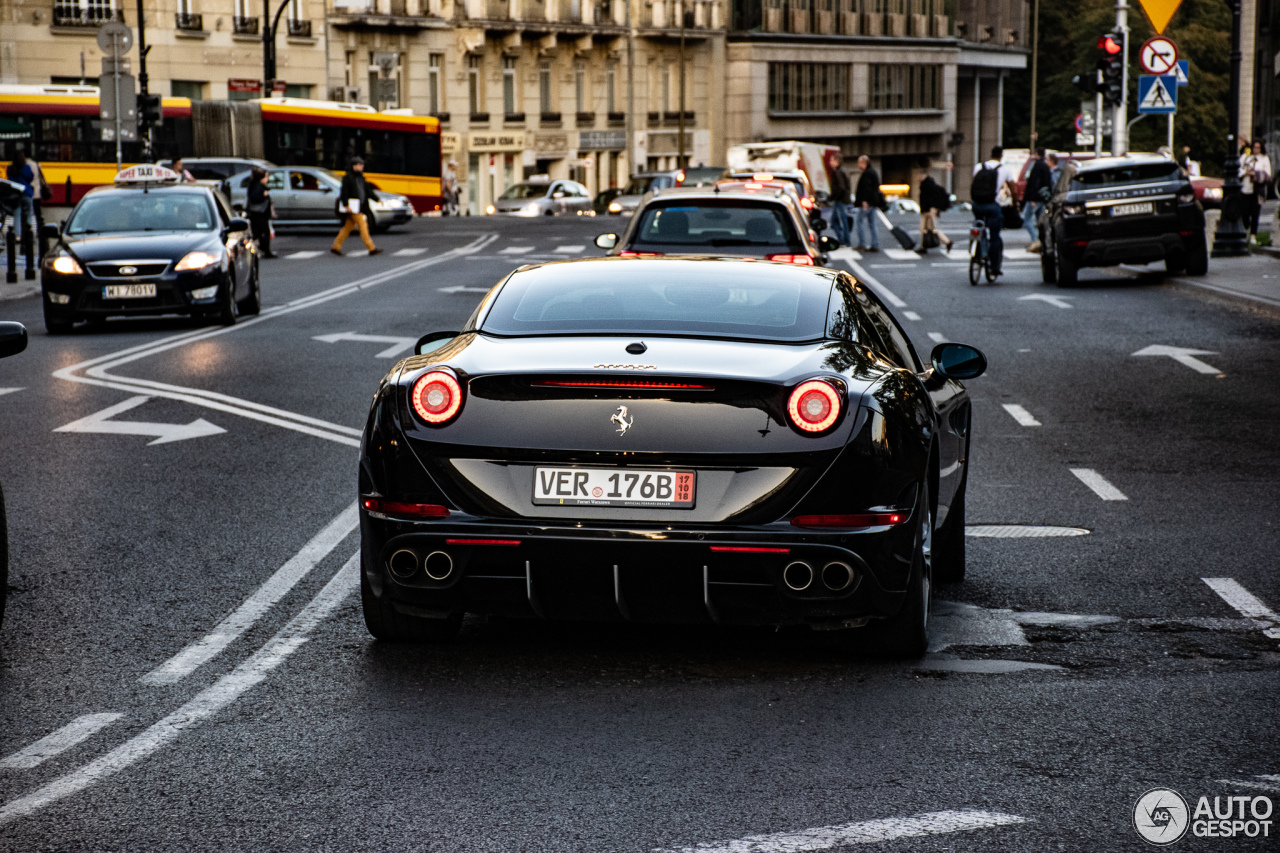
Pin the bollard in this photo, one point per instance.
(29, 250)
(11, 256)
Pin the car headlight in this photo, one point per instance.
(491, 210)
(1073, 209)
(196, 261)
(66, 265)
(615, 207)
(1213, 192)
(1186, 198)
(204, 292)
(530, 209)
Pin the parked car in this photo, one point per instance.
(542, 198)
(212, 171)
(307, 197)
(639, 185)
(13, 340)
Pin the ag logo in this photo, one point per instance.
(1161, 816)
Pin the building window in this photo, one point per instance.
(808, 87)
(187, 89)
(580, 88)
(610, 78)
(509, 85)
(473, 84)
(544, 88)
(906, 87)
(434, 63)
(666, 88)
(297, 90)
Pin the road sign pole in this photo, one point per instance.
(1170, 142)
(1119, 133)
(1097, 120)
(115, 83)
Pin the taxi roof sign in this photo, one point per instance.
(147, 173)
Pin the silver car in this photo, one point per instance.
(308, 196)
(542, 198)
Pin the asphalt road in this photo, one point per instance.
(183, 665)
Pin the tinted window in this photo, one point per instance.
(303, 181)
(211, 171)
(1138, 173)
(755, 302)
(716, 224)
(520, 191)
(897, 347)
(153, 211)
(638, 186)
(846, 320)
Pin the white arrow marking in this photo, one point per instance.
(4, 391)
(398, 345)
(1182, 355)
(165, 433)
(1058, 301)
(457, 288)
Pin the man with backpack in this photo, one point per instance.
(989, 177)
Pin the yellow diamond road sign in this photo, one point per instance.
(1160, 11)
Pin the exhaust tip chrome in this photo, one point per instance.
(837, 576)
(403, 563)
(438, 565)
(798, 575)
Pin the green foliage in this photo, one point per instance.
(1068, 39)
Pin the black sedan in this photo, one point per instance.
(13, 340)
(145, 250)
(681, 439)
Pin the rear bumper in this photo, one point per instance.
(1112, 251)
(642, 575)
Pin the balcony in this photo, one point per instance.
(479, 118)
(442, 117)
(616, 119)
(188, 22)
(513, 118)
(299, 29)
(244, 26)
(655, 119)
(549, 119)
(67, 15)
(672, 119)
(585, 119)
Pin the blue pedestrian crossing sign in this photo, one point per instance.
(1158, 94)
(1183, 69)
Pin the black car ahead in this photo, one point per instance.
(131, 250)
(692, 440)
(1108, 211)
(13, 340)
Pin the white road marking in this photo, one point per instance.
(1247, 604)
(1021, 415)
(207, 703)
(1020, 255)
(302, 256)
(888, 266)
(985, 666)
(4, 391)
(79, 729)
(458, 288)
(846, 254)
(1021, 531)
(1266, 786)
(938, 337)
(873, 282)
(243, 617)
(398, 344)
(1099, 484)
(965, 264)
(569, 250)
(1183, 356)
(407, 253)
(101, 422)
(859, 832)
(358, 253)
(911, 315)
(516, 250)
(1056, 301)
(901, 254)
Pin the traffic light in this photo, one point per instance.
(150, 112)
(1087, 83)
(1112, 67)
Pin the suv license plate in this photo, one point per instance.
(128, 291)
(1131, 209)
(614, 487)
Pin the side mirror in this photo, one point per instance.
(607, 241)
(425, 342)
(13, 338)
(557, 195)
(828, 244)
(237, 224)
(958, 361)
(51, 231)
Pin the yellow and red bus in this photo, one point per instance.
(59, 127)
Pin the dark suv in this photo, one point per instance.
(1122, 210)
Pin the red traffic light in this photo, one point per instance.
(1111, 43)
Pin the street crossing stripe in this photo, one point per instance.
(407, 253)
(515, 250)
(207, 703)
(1021, 415)
(861, 832)
(911, 315)
(938, 337)
(569, 250)
(302, 256)
(1099, 484)
(1247, 604)
(901, 254)
(74, 732)
(243, 617)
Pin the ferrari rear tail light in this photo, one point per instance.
(803, 260)
(866, 519)
(814, 405)
(642, 384)
(404, 509)
(482, 541)
(436, 397)
(640, 254)
(746, 549)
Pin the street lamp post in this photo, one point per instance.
(269, 27)
(1230, 238)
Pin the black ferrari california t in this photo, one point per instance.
(677, 439)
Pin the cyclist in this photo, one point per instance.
(990, 178)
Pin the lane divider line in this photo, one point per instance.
(874, 283)
(1099, 484)
(1021, 415)
(860, 832)
(911, 315)
(938, 337)
(255, 606)
(205, 704)
(1246, 604)
(74, 732)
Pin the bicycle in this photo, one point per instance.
(979, 253)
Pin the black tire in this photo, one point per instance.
(1174, 266)
(948, 554)
(975, 269)
(389, 625)
(1197, 255)
(227, 309)
(906, 635)
(252, 304)
(1068, 272)
(991, 275)
(55, 325)
(1048, 268)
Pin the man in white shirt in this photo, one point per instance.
(991, 179)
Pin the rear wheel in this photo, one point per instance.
(1048, 267)
(948, 562)
(906, 635)
(391, 626)
(56, 325)
(975, 267)
(1174, 266)
(227, 309)
(1067, 270)
(1197, 255)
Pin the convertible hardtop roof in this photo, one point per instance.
(1096, 163)
(747, 270)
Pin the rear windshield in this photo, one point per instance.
(716, 224)
(703, 299)
(696, 176)
(153, 211)
(1139, 173)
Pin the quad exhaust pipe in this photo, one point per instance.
(837, 576)
(404, 564)
(438, 565)
(798, 575)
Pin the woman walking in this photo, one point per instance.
(933, 200)
(260, 210)
(1255, 177)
